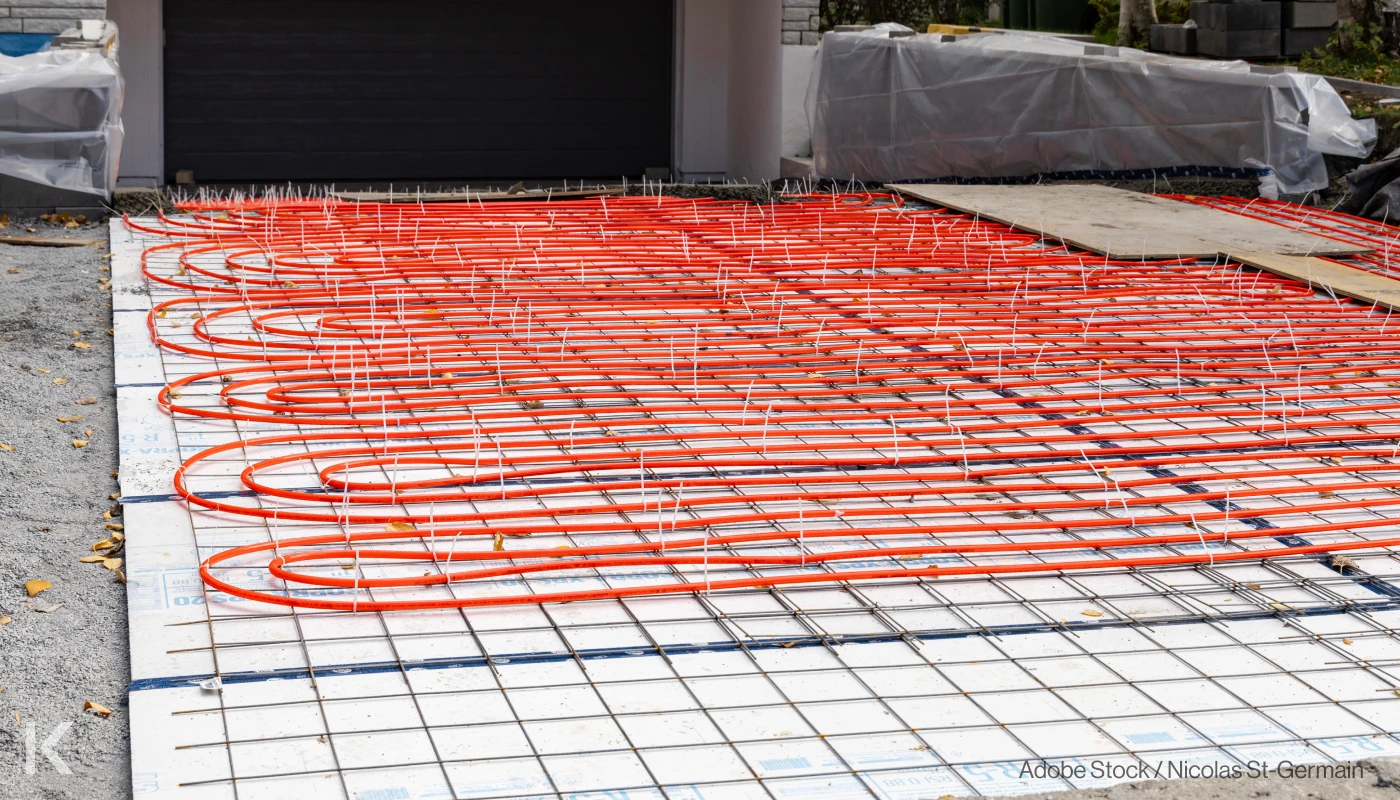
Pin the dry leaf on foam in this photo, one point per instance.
(1092, 612)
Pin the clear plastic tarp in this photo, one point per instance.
(60, 118)
(1001, 105)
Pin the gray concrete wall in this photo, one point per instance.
(47, 16)
(801, 21)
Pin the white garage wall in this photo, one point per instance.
(729, 89)
(139, 52)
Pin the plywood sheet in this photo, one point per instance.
(1123, 224)
(1320, 273)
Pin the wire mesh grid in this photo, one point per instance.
(913, 687)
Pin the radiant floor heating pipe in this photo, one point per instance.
(744, 383)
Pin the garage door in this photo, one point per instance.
(380, 90)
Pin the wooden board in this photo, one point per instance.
(1319, 273)
(1123, 224)
(474, 197)
(47, 241)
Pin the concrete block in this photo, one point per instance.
(811, 37)
(45, 25)
(44, 5)
(792, 37)
(1309, 15)
(1237, 16)
(790, 13)
(11, 25)
(796, 25)
(1239, 44)
(27, 199)
(802, 3)
(1297, 41)
(795, 167)
(1176, 39)
(45, 12)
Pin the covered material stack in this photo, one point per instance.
(60, 120)
(989, 106)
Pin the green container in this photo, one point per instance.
(1057, 15)
(1016, 14)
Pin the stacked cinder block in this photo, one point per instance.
(1178, 40)
(1307, 25)
(1238, 29)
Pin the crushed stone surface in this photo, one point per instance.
(52, 499)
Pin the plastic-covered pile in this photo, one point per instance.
(1000, 105)
(60, 118)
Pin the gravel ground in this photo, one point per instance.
(67, 645)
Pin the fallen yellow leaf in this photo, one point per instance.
(4, 446)
(97, 708)
(5, 620)
(112, 564)
(115, 526)
(398, 527)
(70, 419)
(85, 401)
(43, 371)
(59, 381)
(1092, 612)
(82, 345)
(37, 585)
(79, 444)
(105, 544)
(92, 559)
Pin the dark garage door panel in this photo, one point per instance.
(374, 90)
